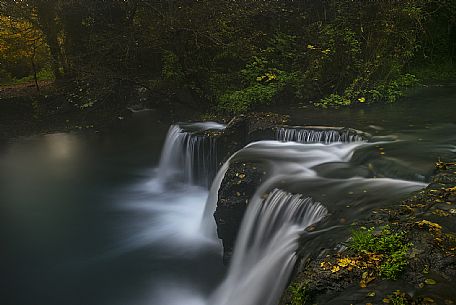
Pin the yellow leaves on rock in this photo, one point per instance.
(329, 266)
(366, 278)
(431, 226)
(436, 230)
(451, 189)
(428, 300)
(347, 263)
(341, 264)
(440, 165)
(369, 262)
(430, 281)
(325, 265)
(241, 176)
(440, 213)
(443, 165)
(344, 262)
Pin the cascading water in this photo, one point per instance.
(189, 157)
(317, 135)
(178, 189)
(265, 251)
(160, 257)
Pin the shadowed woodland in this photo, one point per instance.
(227, 56)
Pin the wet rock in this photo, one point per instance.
(242, 178)
(238, 186)
(244, 129)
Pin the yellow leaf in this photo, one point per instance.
(430, 281)
(431, 225)
(344, 262)
(428, 300)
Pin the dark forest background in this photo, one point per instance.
(227, 56)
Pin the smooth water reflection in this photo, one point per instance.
(81, 224)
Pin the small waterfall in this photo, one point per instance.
(189, 157)
(208, 227)
(265, 251)
(317, 135)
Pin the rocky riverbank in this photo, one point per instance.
(415, 265)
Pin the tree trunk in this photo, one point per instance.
(35, 78)
(452, 42)
(46, 17)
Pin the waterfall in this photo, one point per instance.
(188, 156)
(317, 135)
(265, 251)
(208, 227)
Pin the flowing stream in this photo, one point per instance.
(266, 248)
(127, 217)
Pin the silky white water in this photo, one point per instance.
(265, 250)
(177, 192)
(316, 135)
(187, 157)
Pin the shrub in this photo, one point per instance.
(390, 246)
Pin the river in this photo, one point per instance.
(89, 219)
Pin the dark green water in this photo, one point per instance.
(80, 223)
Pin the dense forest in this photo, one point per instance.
(227, 56)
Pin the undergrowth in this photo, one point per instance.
(387, 246)
(298, 294)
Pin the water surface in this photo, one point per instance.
(83, 220)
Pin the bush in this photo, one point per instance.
(298, 294)
(390, 246)
(242, 100)
(388, 92)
